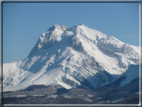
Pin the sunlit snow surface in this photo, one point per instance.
(72, 57)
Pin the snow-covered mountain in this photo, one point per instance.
(72, 57)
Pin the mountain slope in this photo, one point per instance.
(71, 57)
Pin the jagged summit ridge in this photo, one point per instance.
(72, 57)
(58, 34)
(57, 27)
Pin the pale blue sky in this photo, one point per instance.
(23, 23)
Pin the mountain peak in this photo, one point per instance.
(80, 25)
(76, 37)
(58, 27)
